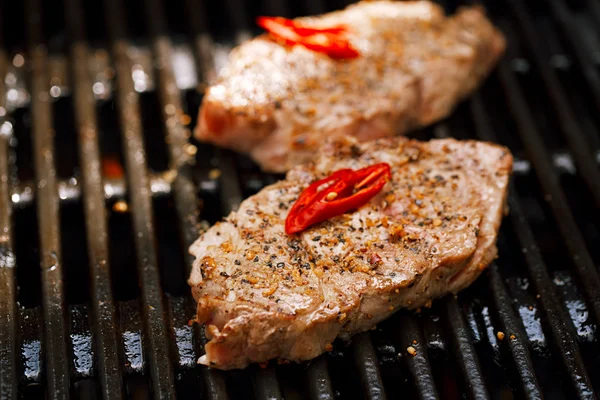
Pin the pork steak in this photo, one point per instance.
(264, 294)
(279, 103)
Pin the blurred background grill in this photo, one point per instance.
(101, 194)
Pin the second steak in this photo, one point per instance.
(279, 103)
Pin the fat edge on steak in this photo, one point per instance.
(263, 294)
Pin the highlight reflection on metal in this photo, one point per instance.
(160, 184)
(6, 129)
(70, 189)
(102, 74)
(15, 81)
(142, 70)
(184, 67)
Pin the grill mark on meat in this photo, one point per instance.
(431, 231)
(278, 103)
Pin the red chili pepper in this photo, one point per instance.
(347, 190)
(331, 41)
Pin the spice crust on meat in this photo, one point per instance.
(264, 294)
(278, 103)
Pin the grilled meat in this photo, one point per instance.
(263, 294)
(279, 103)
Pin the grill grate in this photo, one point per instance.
(125, 334)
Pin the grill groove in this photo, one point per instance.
(106, 346)
(561, 331)
(573, 33)
(54, 311)
(569, 127)
(152, 307)
(8, 306)
(534, 146)
(365, 361)
(508, 319)
(418, 364)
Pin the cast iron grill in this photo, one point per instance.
(93, 262)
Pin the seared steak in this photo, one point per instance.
(279, 103)
(264, 294)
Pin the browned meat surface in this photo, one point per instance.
(263, 294)
(279, 104)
